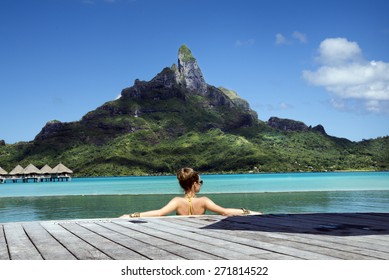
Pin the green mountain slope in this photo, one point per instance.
(176, 120)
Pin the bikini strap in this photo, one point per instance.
(190, 206)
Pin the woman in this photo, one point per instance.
(190, 204)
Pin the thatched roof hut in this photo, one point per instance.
(61, 169)
(2, 171)
(18, 170)
(46, 170)
(31, 169)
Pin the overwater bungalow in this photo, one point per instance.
(3, 175)
(31, 172)
(61, 172)
(46, 172)
(16, 173)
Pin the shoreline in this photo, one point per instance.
(202, 194)
(233, 183)
(220, 173)
(239, 173)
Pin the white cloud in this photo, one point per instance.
(373, 106)
(335, 51)
(296, 35)
(281, 39)
(338, 103)
(284, 106)
(302, 38)
(279, 107)
(345, 74)
(246, 43)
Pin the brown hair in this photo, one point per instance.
(186, 177)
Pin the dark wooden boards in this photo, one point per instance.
(323, 236)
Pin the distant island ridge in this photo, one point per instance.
(176, 119)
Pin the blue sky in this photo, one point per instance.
(320, 62)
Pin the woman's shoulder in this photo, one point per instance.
(201, 199)
(204, 199)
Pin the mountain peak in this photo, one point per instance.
(184, 54)
(188, 73)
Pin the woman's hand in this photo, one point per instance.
(132, 215)
(254, 213)
(125, 216)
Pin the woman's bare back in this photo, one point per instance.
(190, 205)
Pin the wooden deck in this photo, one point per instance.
(35, 179)
(276, 237)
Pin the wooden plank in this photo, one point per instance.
(166, 242)
(342, 245)
(301, 224)
(245, 250)
(4, 255)
(136, 232)
(19, 244)
(365, 243)
(363, 246)
(365, 238)
(119, 236)
(293, 236)
(337, 248)
(294, 248)
(303, 242)
(236, 241)
(78, 247)
(236, 237)
(373, 232)
(252, 238)
(111, 249)
(359, 244)
(163, 241)
(287, 247)
(232, 243)
(192, 239)
(49, 247)
(181, 246)
(383, 240)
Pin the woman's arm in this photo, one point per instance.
(168, 208)
(212, 206)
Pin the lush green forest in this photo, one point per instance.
(144, 152)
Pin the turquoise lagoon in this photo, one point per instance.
(109, 197)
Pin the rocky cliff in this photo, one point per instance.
(188, 73)
(292, 125)
(176, 100)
